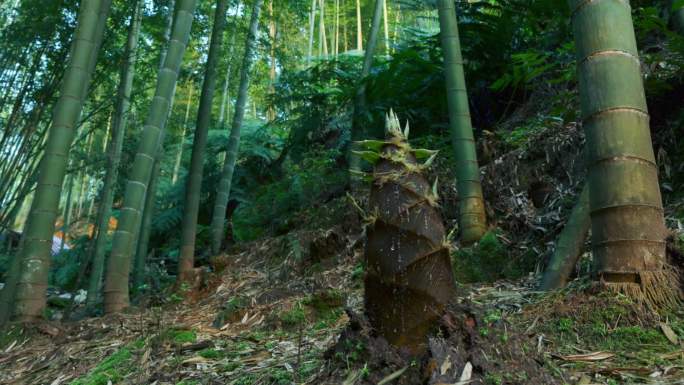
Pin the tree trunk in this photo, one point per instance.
(360, 98)
(223, 194)
(118, 131)
(193, 187)
(569, 245)
(397, 23)
(628, 228)
(167, 32)
(83, 190)
(35, 254)
(336, 46)
(322, 39)
(143, 239)
(359, 27)
(66, 216)
(472, 218)
(272, 33)
(385, 16)
(344, 26)
(181, 145)
(225, 100)
(118, 266)
(312, 28)
(408, 278)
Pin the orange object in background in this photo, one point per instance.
(113, 222)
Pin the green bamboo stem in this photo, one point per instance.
(360, 97)
(193, 187)
(472, 218)
(223, 193)
(628, 228)
(66, 216)
(225, 98)
(569, 245)
(118, 130)
(143, 242)
(181, 143)
(116, 296)
(29, 301)
(312, 27)
(170, 9)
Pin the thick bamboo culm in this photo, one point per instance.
(116, 295)
(472, 218)
(569, 245)
(628, 229)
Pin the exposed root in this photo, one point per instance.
(656, 290)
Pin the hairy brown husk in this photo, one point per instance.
(409, 278)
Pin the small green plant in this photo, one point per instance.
(231, 366)
(492, 317)
(309, 368)
(112, 370)
(280, 376)
(211, 354)
(294, 316)
(365, 372)
(182, 336)
(565, 325)
(358, 272)
(174, 298)
(493, 379)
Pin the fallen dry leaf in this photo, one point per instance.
(669, 356)
(195, 360)
(393, 376)
(589, 357)
(446, 365)
(466, 374)
(669, 333)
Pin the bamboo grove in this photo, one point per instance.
(122, 116)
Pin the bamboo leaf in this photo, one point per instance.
(669, 333)
(589, 357)
(428, 162)
(369, 156)
(422, 153)
(373, 145)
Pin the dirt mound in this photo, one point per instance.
(468, 346)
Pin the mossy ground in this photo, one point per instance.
(112, 370)
(573, 322)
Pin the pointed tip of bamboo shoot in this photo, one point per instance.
(392, 125)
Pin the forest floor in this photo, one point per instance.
(289, 309)
(254, 324)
